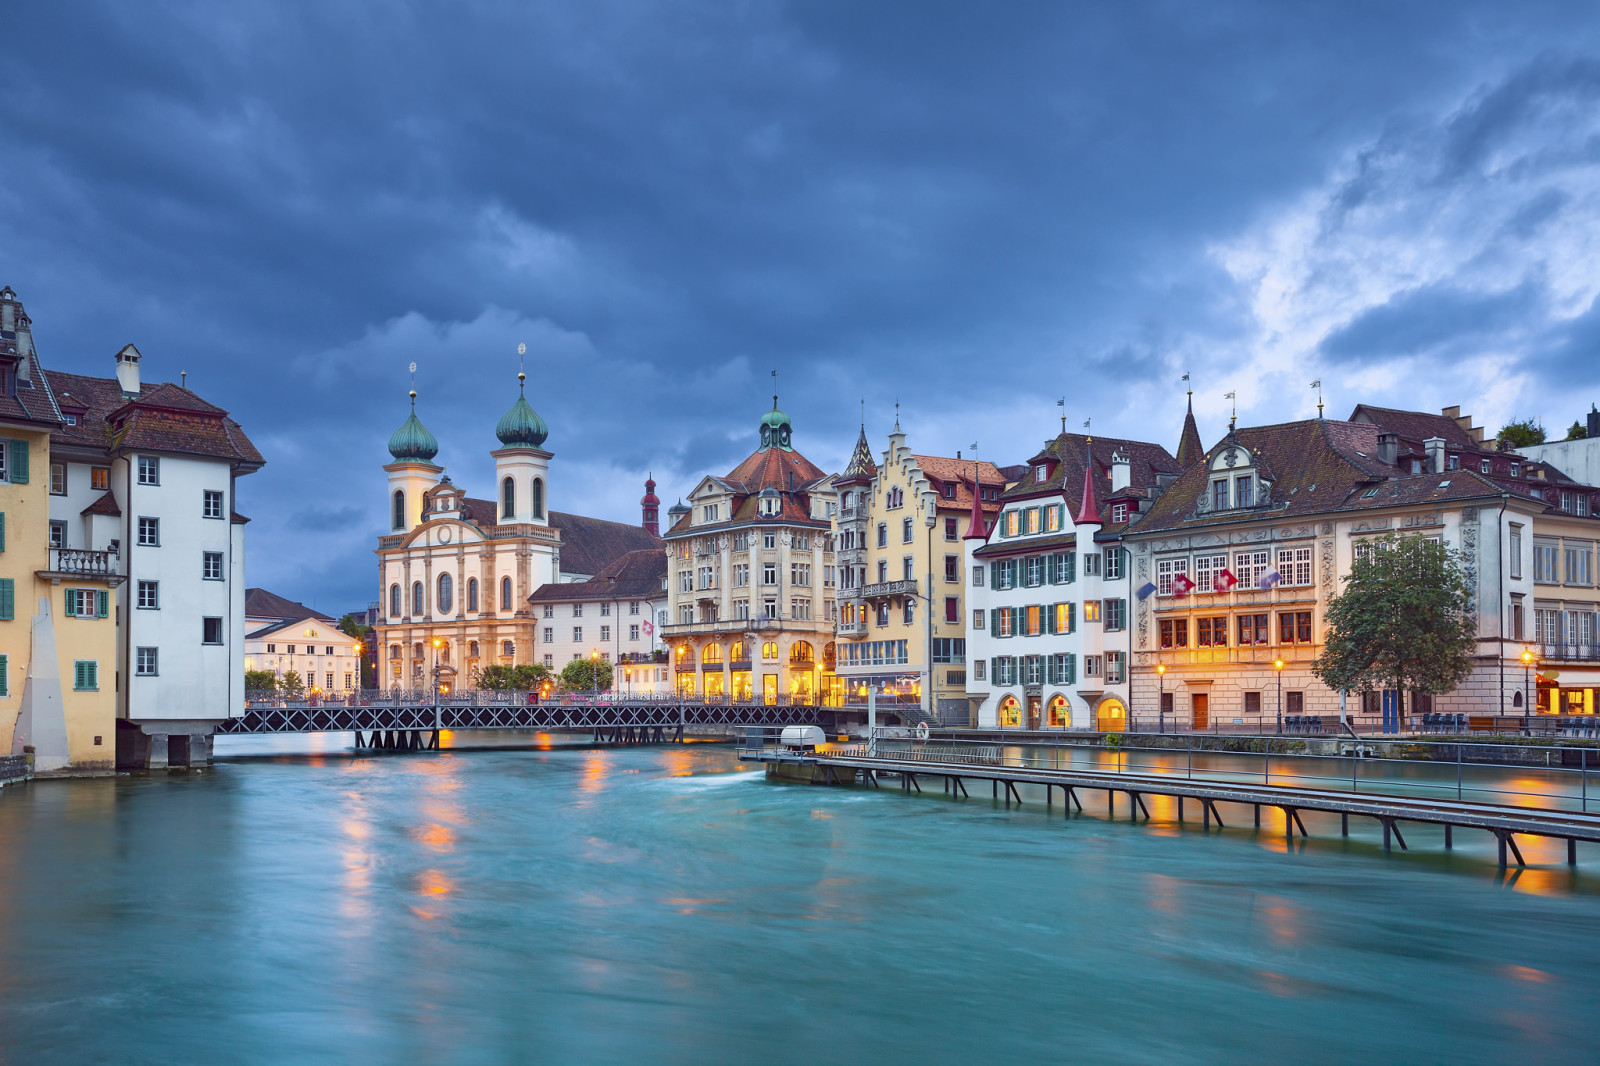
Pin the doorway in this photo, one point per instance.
(769, 689)
(1201, 708)
(1035, 703)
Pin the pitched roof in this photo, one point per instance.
(163, 417)
(1067, 454)
(637, 575)
(1190, 450)
(284, 623)
(259, 603)
(787, 473)
(1417, 426)
(589, 545)
(861, 467)
(106, 504)
(958, 472)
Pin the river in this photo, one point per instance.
(669, 905)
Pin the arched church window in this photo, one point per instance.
(472, 649)
(472, 595)
(394, 601)
(507, 648)
(394, 649)
(508, 499)
(446, 593)
(505, 594)
(537, 501)
(416, 597)
(399, 509)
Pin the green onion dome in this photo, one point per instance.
(521, 427)
(412, 442)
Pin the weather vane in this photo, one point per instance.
(413, 369)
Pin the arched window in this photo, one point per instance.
(394, 601)
(399, 509)
(394, 651)
(416, 650)
(444, 651)
(769, 650)
(1010, 712)
(711, 653)
(416, 597)
(507, 648)
(801, 652)
(739, 654)
(537, 500)
(446, 593)
(472, 649)
(1059, 712)
(472, 594)
(505, 594)
(508, 499)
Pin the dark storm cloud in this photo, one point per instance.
(969, 209)
(1421, 320)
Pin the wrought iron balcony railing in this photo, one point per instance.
(1570, 653)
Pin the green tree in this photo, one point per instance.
(1577, 432)
(260, 681)
(1520, 433)
(291, 684)
(500, 678)
(369, 657)
(580, 675)
(1402, 621)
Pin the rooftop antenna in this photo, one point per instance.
(1317, 384)
(413, 388)
(522, 350)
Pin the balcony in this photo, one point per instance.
(1569, 653)
(81, 563)
(883, 590)
(852, 629)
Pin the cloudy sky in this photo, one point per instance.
(973, 209)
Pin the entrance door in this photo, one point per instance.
(1202, 710)
(769, 688)
(1034, 705)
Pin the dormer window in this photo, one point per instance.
(1485, 466)
(1516, 469)
(1040, 473)
(1219, 494)
(1416, 466)
(1244, 491)
(1452, 462)
(1119, 513)
(708, 513)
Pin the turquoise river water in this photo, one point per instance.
(669, 905)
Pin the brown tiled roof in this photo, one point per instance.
(105, 505)
(1067, 454)
(787, 472)
(589, 545)
(771, 469)
(1414, 427)
(1190, 450)
(1000, 548)
(636, 576)
(485, 513)
(33, 405)
(861, 467)
(163, 417)
(259, 603)
(946, 471)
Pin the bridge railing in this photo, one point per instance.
(498, 697)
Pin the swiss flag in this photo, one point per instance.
(1181, 585)
(648, 629)
(1223, 581)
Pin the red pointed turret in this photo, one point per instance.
(1089, 509)
(977, 528)
(650, 505)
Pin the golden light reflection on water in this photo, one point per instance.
(433, 886)
(595, 769)
(1163, 892)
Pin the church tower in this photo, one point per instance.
(650, 505)
(413, 471)
(521, 465)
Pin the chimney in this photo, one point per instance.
(1121, 472)
(1388, 448)
(1435, 447)
(1452, 413)
(8, 308)
(1594, 421)
(128, 371)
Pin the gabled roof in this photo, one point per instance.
(959, 472)
(1417, 426)
(334, 632)
(259, 603)
(106, 505)
(589, 545)
(637, 575)
(164, 417)
(1067, 456)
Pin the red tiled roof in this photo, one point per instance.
(943, 470)
(788, 473)
(1067, 454)
(35, 405)
(637, 575)
(163, 417)
(105, 505)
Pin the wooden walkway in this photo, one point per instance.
(1505, 822)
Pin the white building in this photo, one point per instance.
(1049, 643)
(611, 615)
(284, 636)
(148, 473)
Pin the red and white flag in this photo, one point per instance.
(1223, 581)
(648, 629)
(1181, 585)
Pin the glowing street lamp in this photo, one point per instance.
(594, 671)
(1527, 676)
(1278, 666)
(1161, 696)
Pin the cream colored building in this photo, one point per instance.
(898, 537)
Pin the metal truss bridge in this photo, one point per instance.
(416, 724)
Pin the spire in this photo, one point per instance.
(1089, 508)
(1190, 450)
(977, 528)
(861, 467)
(412, 442)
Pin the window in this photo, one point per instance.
(769, 539)
(1166, 570)
(85, 675)
(1091, 610)
(1578, 564)
(508, 648)
(149, 470)
(605, 610)
(605, 634)
(1252, 629)
(1516, 550)
(1063, 569)
(978, 669)
(211, 566)
(800, 574)
(1010, 524)
(707, 577)
(952, 568)
(1211, 632)
(1516, 621)
(1219, 495)
(950, 528)
(1252, 704)
(577, 610)
(472, 594)
(447, 592)
(1206, 568)
(1064, 618)
(1052, 518)
(905, 569)
(416, 597)
(536, 499)
(905, 531)
(1174, 632)
(977, 576)
(577, 634)
(633, 632)
(100, 477)
(633, 606)
(149, 596)
(883, 571)
(149, 532)
(1091, 666)
(78, 603)
(505, 594)
(1294, 627)
(549, 634)
(211, 504)
(883, 535)
(1244, 494)
(685, 580)
(1091, 564)
(394, 601)
(952, 609)
(1116, 672)
(1116, 614)
(1453, 462)
(399, 517)
(58, 534)
(769, 573)
(1544, 563)
(58, 479)
(1002, 621)
(1119, 513)
(1033, 571)
(549, 610)
(708, 513)
(1484, 466)
(1294, 565)
(1248, 567)
(978, 621)
(146, 662)
(508, 499)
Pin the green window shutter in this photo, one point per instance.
(1049, 619)
(19, 462)
(8, 599)
(1070, 670)
(2, 531)
(994, 576)
(78, 674)
(994, 621)
(94, 674)
(1072, 618)
(102, 603)
(1050, 569)
(69, 602)
(1061, 515)
(1071, 559)
(5, 675)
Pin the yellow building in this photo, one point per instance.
(901, 602)
(58, 647)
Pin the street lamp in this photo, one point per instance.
(1527, 675)
(1161, 696)
(1279, 667)
(437, 644)
(594, 672)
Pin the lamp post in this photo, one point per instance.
(1161, 696)
(1279, 667)
(594, 671)
(1527, 677)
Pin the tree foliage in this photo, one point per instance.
(502, 678)
(580, 675)
(291, 683)
(368, 657)
(1520, 433)
(1403, 620)
(1577, 431)
(260, 681)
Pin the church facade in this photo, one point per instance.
(456, 572)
